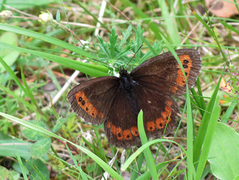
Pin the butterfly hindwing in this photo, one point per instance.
(121, 126)
(160, 111)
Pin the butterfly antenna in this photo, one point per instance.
(134, 54)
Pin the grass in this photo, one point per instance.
(41, 138)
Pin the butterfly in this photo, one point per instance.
(116, 101)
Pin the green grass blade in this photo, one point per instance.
(82, 173)
(190, 136)
(147, 153)
(209, 30)
(93, 70)
(27, 89)
(23, 168)
(28, 105)
(135, 174)
(202, 101)
(208, 139)
(170, 22)
(229, 111)
(50, 73)
(204, 123)
(229, 27)
(49, 39)
(100, 152)
(146, 175)
(141, 149)
(13, 75)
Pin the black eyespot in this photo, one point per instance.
(185, 66)
(186, 73)
(93, 114)
(185, 61)
(80, 99)
(161, 125)
(151, 128)
(128, 136)
(119, 135)
(87, 109)
(83, 103)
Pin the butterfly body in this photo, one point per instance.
(116, 102)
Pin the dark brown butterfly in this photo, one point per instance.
(117, 101)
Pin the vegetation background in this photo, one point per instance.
(42, 44)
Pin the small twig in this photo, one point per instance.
(119, 12)
(102, 10)
(21, 12)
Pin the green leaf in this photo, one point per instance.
(236, 178)
(9, 56)
(126, 35)
(37, 169)
(58, 16)
(138, 41)
(32, 134)
(113, 41)
(59, 124)
(41, 147)
(103, 46)
(5, 174)
(223, 155)
(8, 148)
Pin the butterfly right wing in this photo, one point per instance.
(160, 110)
(164, 74)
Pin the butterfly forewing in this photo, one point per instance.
(163, 72)
(92, 100)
